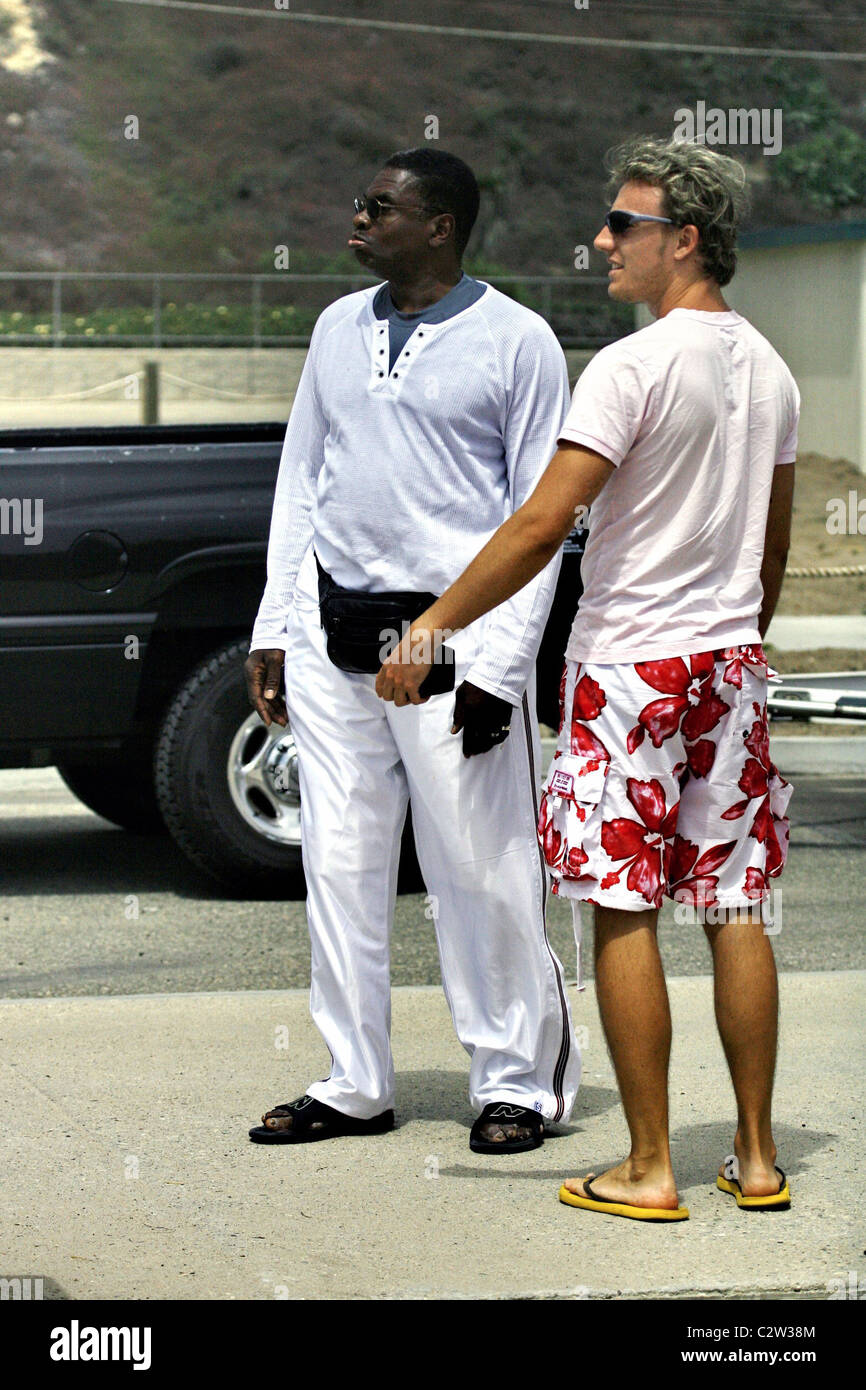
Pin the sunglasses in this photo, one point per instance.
(374, 207)
(619, 221)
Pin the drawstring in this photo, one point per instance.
(578, 940)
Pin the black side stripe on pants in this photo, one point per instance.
(565, 1045)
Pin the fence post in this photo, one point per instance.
(257, 312)
(546, 300)
(157, 313)
(150, 394)
(56, 311)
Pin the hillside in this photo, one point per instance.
(255, 132)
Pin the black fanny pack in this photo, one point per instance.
(361, 629)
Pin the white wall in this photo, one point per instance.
(810, 301)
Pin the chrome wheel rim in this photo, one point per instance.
(263, 781)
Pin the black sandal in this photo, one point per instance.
(504, 1114)
(312, 1120)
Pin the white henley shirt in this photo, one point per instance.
(400, 478)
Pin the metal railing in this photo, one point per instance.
(578, 313)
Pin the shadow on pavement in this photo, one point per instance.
(442, 1095)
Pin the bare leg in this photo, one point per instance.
(635, 1014)
(747, 1008)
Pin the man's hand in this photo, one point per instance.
(484, 719)
(264, 672)
(406, 667)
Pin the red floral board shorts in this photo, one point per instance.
(662, 783)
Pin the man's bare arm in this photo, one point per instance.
(777, 540)
(511, 558)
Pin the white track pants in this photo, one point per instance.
(360, 760)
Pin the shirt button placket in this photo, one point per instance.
(380, 352)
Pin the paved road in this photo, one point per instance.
(87, 909)
(830, 680)
(835, 694)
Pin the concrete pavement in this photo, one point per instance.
(129, 1174)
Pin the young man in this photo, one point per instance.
(683, 438)
(426, 412)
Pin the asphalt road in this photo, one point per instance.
(87, 909)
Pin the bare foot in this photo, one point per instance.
(509, 1127)
(501, 1131)
(755, 1172)
(633, 1186)
(281, 1118)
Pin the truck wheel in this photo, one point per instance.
(118, 789)
(227, 786)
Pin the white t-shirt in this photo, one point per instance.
(695, 411)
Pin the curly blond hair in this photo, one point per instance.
(700, 188)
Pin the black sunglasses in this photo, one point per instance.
(619, 221)
(374, 207)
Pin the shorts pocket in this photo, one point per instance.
(778, 831)
(780, 793)
(569, 822)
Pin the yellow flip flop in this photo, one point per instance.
(774, 1201)
(595, 1203)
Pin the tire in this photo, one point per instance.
(119, 789)
(227, 786)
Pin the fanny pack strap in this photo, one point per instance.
(409, 602)
(325, 580)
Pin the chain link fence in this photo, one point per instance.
(103, 309)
